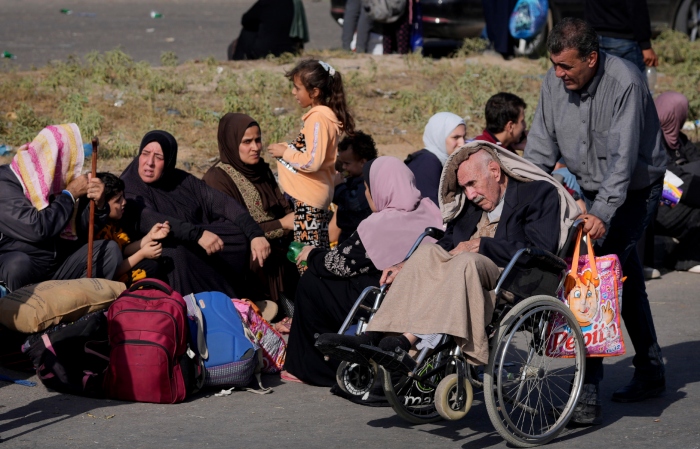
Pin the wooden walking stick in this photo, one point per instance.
(91, 227)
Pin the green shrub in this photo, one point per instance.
(168, 59)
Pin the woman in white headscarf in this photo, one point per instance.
(444, 133)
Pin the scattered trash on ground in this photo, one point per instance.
(150, 30)
(156, 15)
(8, 55)
(87, 149)
(385, 93)
(119, 103)
(69, 12)
(279, 111)
(219, 70)
(691, 125)
(169, 39)
(4, 149)
(100, 417)
(398, 131)
(174, 112)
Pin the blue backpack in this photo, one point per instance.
(228, 349)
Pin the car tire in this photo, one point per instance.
(688, 19)
(537, 46)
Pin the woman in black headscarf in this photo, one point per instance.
(242, 174)
(212, 236)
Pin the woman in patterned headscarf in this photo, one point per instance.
(242, 174)
(44, 215)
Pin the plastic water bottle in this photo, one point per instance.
(651, 79)
(8, 55)
(66, 11)
(156, 15)
(294, 250)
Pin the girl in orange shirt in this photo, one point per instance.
(306, 167)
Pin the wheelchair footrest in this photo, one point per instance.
(343, 353)
(391, 361)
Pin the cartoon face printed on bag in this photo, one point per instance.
(582, 296)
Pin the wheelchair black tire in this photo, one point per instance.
(405, 412)
(356, 379)
(494, 387)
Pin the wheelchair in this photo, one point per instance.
(530, 391)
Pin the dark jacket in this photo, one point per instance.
(685, 163)
(622, 19)
(352, 206)
(37, 233)
(426, 167)
(266, 27)
(530, 217)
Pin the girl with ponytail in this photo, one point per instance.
(306, 166)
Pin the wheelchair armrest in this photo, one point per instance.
(546, 261)
(551, 262)
(435, 233)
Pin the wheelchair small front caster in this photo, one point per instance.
(447, 402)
(354, 378)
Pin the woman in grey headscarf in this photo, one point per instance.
(444, 133)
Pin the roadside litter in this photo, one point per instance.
(69, 12)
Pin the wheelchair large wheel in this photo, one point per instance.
(354, 378)
(529, 393)
(412, 400)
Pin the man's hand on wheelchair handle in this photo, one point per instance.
(593, 225)
(470, 246)
(389, 274)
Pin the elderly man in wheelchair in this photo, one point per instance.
(475, 297)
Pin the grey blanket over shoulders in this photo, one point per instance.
(452, 198)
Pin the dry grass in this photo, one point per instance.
(392, 97)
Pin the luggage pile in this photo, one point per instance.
(96, 338)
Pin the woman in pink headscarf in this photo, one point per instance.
(683, 220)
(335, 278)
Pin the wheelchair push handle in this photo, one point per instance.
(550, 259)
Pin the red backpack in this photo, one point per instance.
(150, 359)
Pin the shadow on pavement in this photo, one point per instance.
(475, 424)
(46, 412)
(682, 369)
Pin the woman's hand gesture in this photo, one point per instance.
(259, 249)
(159, 231)
(210, 242)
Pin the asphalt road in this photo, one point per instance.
(299, 416)
(36, 31)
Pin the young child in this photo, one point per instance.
(353, 152)
(306, 167)
(139, 256)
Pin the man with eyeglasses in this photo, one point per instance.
(596, 113)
